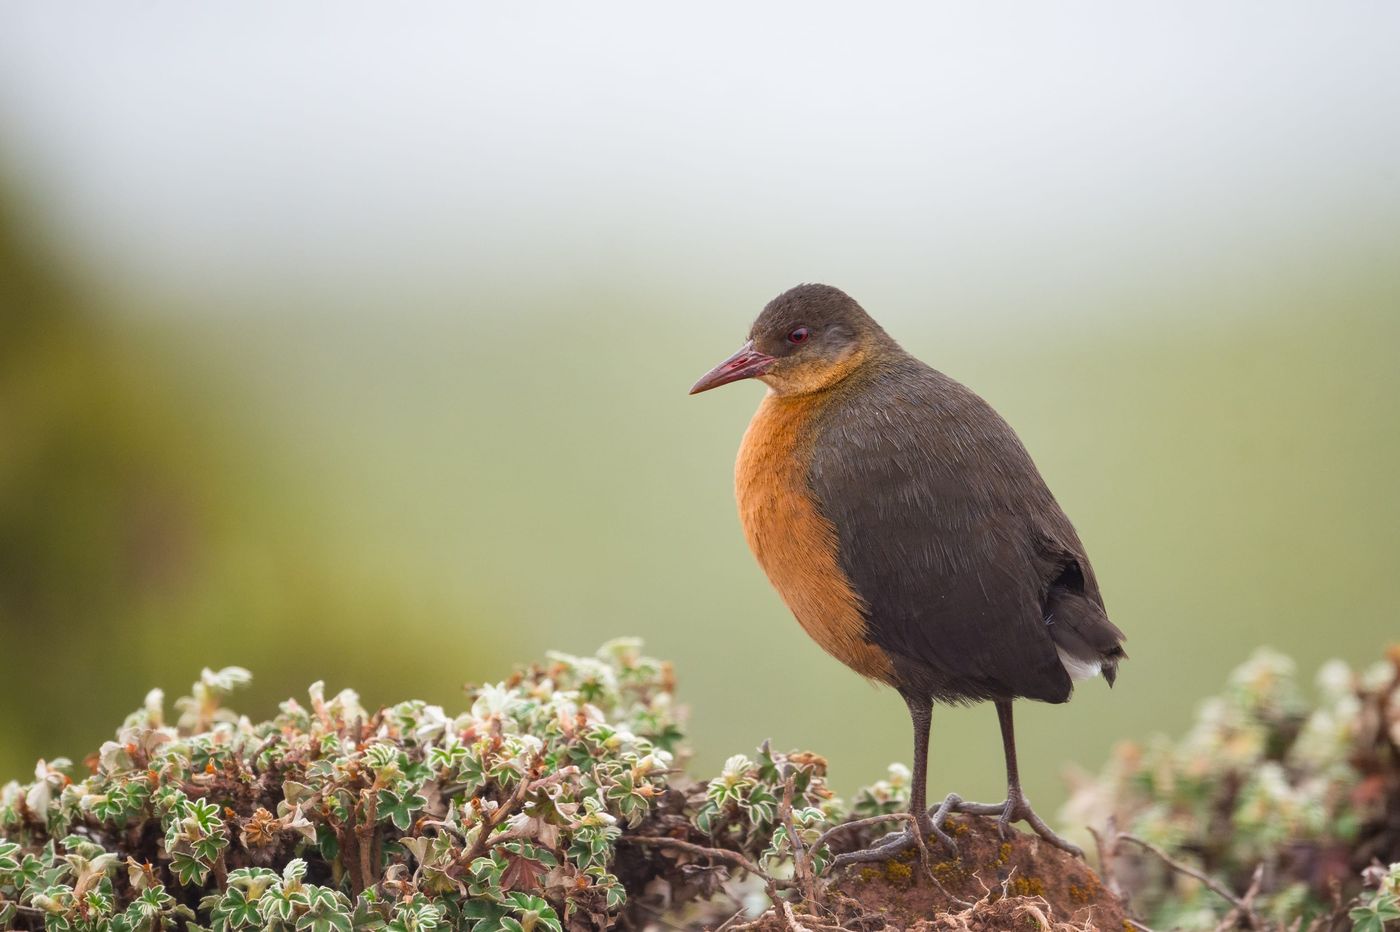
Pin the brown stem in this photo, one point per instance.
(715, 854)
(801, 859)
(514, 804)
(1246, 910)
(1232, 918)
(1108, 856)
(858, 823)
(791, 920)
(364, 838)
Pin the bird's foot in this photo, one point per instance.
(899, 842)
(1016, 808)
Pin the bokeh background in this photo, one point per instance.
(352, 342)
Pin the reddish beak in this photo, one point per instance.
(745, 364)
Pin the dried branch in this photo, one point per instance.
(728, 923)
(513, 805)
(858, 823)
(801, 858)
(715, 854)
(1245, 909)
(792, 923)
(1108, 856)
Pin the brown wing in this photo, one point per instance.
(949, 535)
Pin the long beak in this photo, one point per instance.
(745, 364)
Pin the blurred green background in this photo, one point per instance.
(354, 346)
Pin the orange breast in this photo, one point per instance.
(794, 543)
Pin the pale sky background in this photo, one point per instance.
(1003, 154)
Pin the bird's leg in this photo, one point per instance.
(920, 712)
(1016, 808)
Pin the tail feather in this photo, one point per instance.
(1088, 643)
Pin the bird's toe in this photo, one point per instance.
(884, 849)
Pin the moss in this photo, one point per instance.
(1003, 854)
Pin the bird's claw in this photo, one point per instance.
(1019, 809)
(896, 843)
(1016, 808)
(893, 844)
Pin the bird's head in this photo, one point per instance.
(807, 339)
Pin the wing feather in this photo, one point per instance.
(950, 536)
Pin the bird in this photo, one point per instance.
(907, 529)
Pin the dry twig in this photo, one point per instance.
(1245, 909)
(715, 854)
(1108, 856)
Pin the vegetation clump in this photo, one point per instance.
(553, 802)
(1288, 807)
(333, 818)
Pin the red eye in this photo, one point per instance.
(798, 336)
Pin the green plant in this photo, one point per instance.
(332, 818)
(1380, 903)
(1276, 795)
(552, 802)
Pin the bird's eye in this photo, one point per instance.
(798, 336)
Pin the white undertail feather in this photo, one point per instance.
(1077, 667)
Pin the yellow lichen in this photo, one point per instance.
(897, 872)
(1085, 893)
(1003, 854)
(950, 872)
(1027, 886)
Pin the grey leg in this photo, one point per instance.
(1017, 808)
(921, 714)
